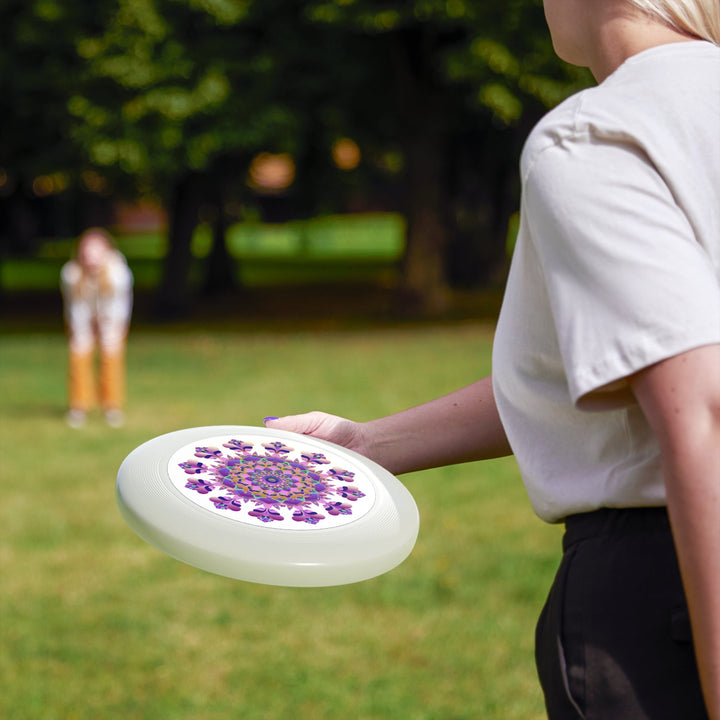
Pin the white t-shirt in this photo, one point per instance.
(617, 266)
(97, 308)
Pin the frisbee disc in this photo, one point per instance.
(267, 506)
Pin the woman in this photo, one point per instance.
(606, 365)
(97, 294)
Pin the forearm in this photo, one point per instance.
(681, 400)
(693, 496)
(460, 427)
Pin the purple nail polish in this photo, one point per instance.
(270, 417)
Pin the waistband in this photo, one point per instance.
(607, 521)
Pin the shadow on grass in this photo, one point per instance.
(272, 309)
(35, 411)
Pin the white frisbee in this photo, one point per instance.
(267, 506)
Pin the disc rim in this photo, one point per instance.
(358, 550)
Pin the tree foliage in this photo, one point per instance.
(175, 97)
(468, 77)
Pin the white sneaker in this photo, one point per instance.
(115, 418)
(75, 418)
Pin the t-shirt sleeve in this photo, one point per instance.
(629, 282)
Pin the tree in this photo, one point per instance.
(175, 98)
(461, 72)
(38, 68)
(183, 94)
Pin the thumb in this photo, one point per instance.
(323, 426)
(305, 424)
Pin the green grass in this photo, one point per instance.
(94, 623)
(32, 274)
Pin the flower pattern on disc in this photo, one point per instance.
(272, 485)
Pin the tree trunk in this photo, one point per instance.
(424, 144)
(220, 267)
(485, 194)
(424, 277)
(175, 296)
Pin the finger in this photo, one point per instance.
(304, 424)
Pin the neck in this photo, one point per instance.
(621, 36)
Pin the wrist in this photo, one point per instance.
(374, 444)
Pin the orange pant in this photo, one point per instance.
(83, 391)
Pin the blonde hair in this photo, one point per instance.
(99, 233)
(699, 18)
(86, 286)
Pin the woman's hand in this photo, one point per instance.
(321, 425)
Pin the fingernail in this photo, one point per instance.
(270, 417)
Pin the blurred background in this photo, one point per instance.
(317, 200)
(232, 145)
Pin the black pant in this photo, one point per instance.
(613, 641)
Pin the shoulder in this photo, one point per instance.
(117, 269)
(554, 129)
(599, 115)
(116, 277)
(70, 274)
(648, 105)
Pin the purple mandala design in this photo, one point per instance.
(272, 485)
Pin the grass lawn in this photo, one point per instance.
(94, 623)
